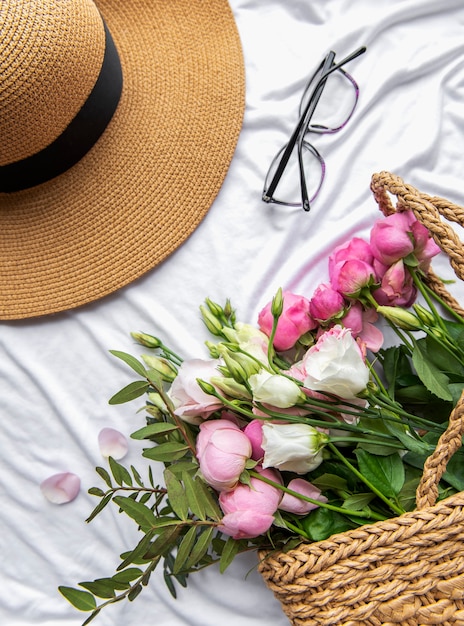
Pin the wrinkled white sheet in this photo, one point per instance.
(56, 373)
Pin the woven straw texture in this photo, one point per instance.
(151, 177)
(407, 570)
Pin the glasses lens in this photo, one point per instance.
(336, 104)
(288, 190)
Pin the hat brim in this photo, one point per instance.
(152, 176)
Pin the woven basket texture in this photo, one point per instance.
(406, 570)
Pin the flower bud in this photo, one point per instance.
(230, 387)
(424, 315)
(401, 317)
(277, 305)
(212, 323)
(292, 447)
(215, 309)
(213, 349)
(147, 340)
(163, 367)
(275, 390)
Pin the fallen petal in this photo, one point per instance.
(61, 488)
(112, 443)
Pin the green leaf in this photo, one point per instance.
(120, 474)
(96, 491)
(140, 513)
(358, 501)
(134, 593)
(166, 452)
(153, 429)
(100, 506)
(330, 481)
(101, 471)
(322, 523)
(199, 549)
(210, 504)
(194, 497)
(386, 473)
(131, 361)
(441, 357)
(128, 575)
(435, 380)
(82, 600)
(130, 392)
(185, 547)
(229, 552)
(176, 495)
(100, 588)
(137, 554)
(410, 442)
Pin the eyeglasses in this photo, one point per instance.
(339, 98)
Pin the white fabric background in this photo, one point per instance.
(56, 374)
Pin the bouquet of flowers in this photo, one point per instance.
(295, 429)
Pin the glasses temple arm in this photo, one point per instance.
(304, 120)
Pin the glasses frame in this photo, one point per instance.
(297, 138)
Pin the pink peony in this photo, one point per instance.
(222, 451)
(254, 432)
(293, 323)
(249, 511)
(292, 504)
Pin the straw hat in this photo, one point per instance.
(100, 182)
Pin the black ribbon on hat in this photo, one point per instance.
(78, 137)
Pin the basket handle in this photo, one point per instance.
(435, 466)
(428, 210)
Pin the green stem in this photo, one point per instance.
(325, 505)
(442, 303)
(394, 507)
(420, 286)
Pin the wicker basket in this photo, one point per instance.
(410, 569)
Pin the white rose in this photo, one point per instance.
(276, 390)
(336, 365)
(292, 447)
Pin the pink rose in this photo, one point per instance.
(191, 403)
(326, 303)
(361, 323)
(397, 287)
(390, 238)
(356, 248)
(222, 451)
(249, 511)
(294, 321)
(349, 277)
(425, 247)
(292, 504)
(398, 235)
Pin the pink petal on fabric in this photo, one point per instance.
(112, 443)
(61, 488)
